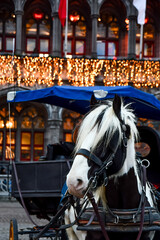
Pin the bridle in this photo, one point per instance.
(104, 166)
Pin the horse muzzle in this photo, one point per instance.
(76, 187)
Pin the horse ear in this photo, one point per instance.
(93, 101)
(117, 106)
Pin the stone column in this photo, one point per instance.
(94, 35)
(56, 36)
(19, 14)
(132, 37)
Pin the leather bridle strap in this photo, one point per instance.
(95, 207)
(89, 156)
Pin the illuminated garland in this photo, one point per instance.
(42, 71)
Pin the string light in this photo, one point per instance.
(47, 71)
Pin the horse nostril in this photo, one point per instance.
(79, 181)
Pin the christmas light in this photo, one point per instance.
(41, 72)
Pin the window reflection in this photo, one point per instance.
(44, 28)
(113, 30)
(10, 26)
(80, 29)
(148, 31)
(26, 123)
(38, 123)
(31, 27)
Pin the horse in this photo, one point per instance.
(105, 156)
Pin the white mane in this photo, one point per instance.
(106, 126)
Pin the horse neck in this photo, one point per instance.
(124, 188)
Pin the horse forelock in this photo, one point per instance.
(103, 122)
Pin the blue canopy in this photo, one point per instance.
(77, 99)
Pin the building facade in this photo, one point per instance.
(97, 29)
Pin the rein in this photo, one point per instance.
(140, 208)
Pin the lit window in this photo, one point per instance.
(101, 48)
(44, 45)
(38, 123)
(44, 28)
(26, 123)
(80, 29)
(9, 44)
(79, 47)
(10, 26)
(31, 44)
(111, 49)
(113, 30)
(31, 27)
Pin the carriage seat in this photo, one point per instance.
(61, 150)
(152, 138)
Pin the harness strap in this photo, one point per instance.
(89, 156)
(95, 207)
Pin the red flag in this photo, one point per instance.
(62, 11)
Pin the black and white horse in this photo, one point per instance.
(108, 132)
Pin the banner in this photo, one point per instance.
(141, 7)
(62, 11)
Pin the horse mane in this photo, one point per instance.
(104, 122)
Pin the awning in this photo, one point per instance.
(77, 99)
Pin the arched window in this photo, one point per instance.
(76, 44)
(32, 135)
(8, 128)
(148, 39)
(38, 31)
(7, 33)
(70, 120)
(21, 133)
(107, 36)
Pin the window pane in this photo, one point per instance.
(111, 49)
(101, 30)
(80, 30)
(10, 138)
(68, 137)
(100, 48)
(0, 43)
(32, 112)
(31, 27)
(68, 124)
(44, 45)
(1, 137)
(148, 49)
(1, 124)
(148, 31)
(38, 151)
(38, 138)
(69, 46)
(26, 123)
(31, 45)
(113, 31)
(137, 48)
(70, 30)
(79, 47)
(26, 138)
(44, 28)
(1, 27)
(25, 152)
(38, 123)
(9, 44)
(10, 152)
(11, 123)
(1, 152)
(10, 27)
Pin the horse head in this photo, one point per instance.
(105, 138)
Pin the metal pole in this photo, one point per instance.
(66, 31)
(141, 42)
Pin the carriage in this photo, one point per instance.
(42, 196)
